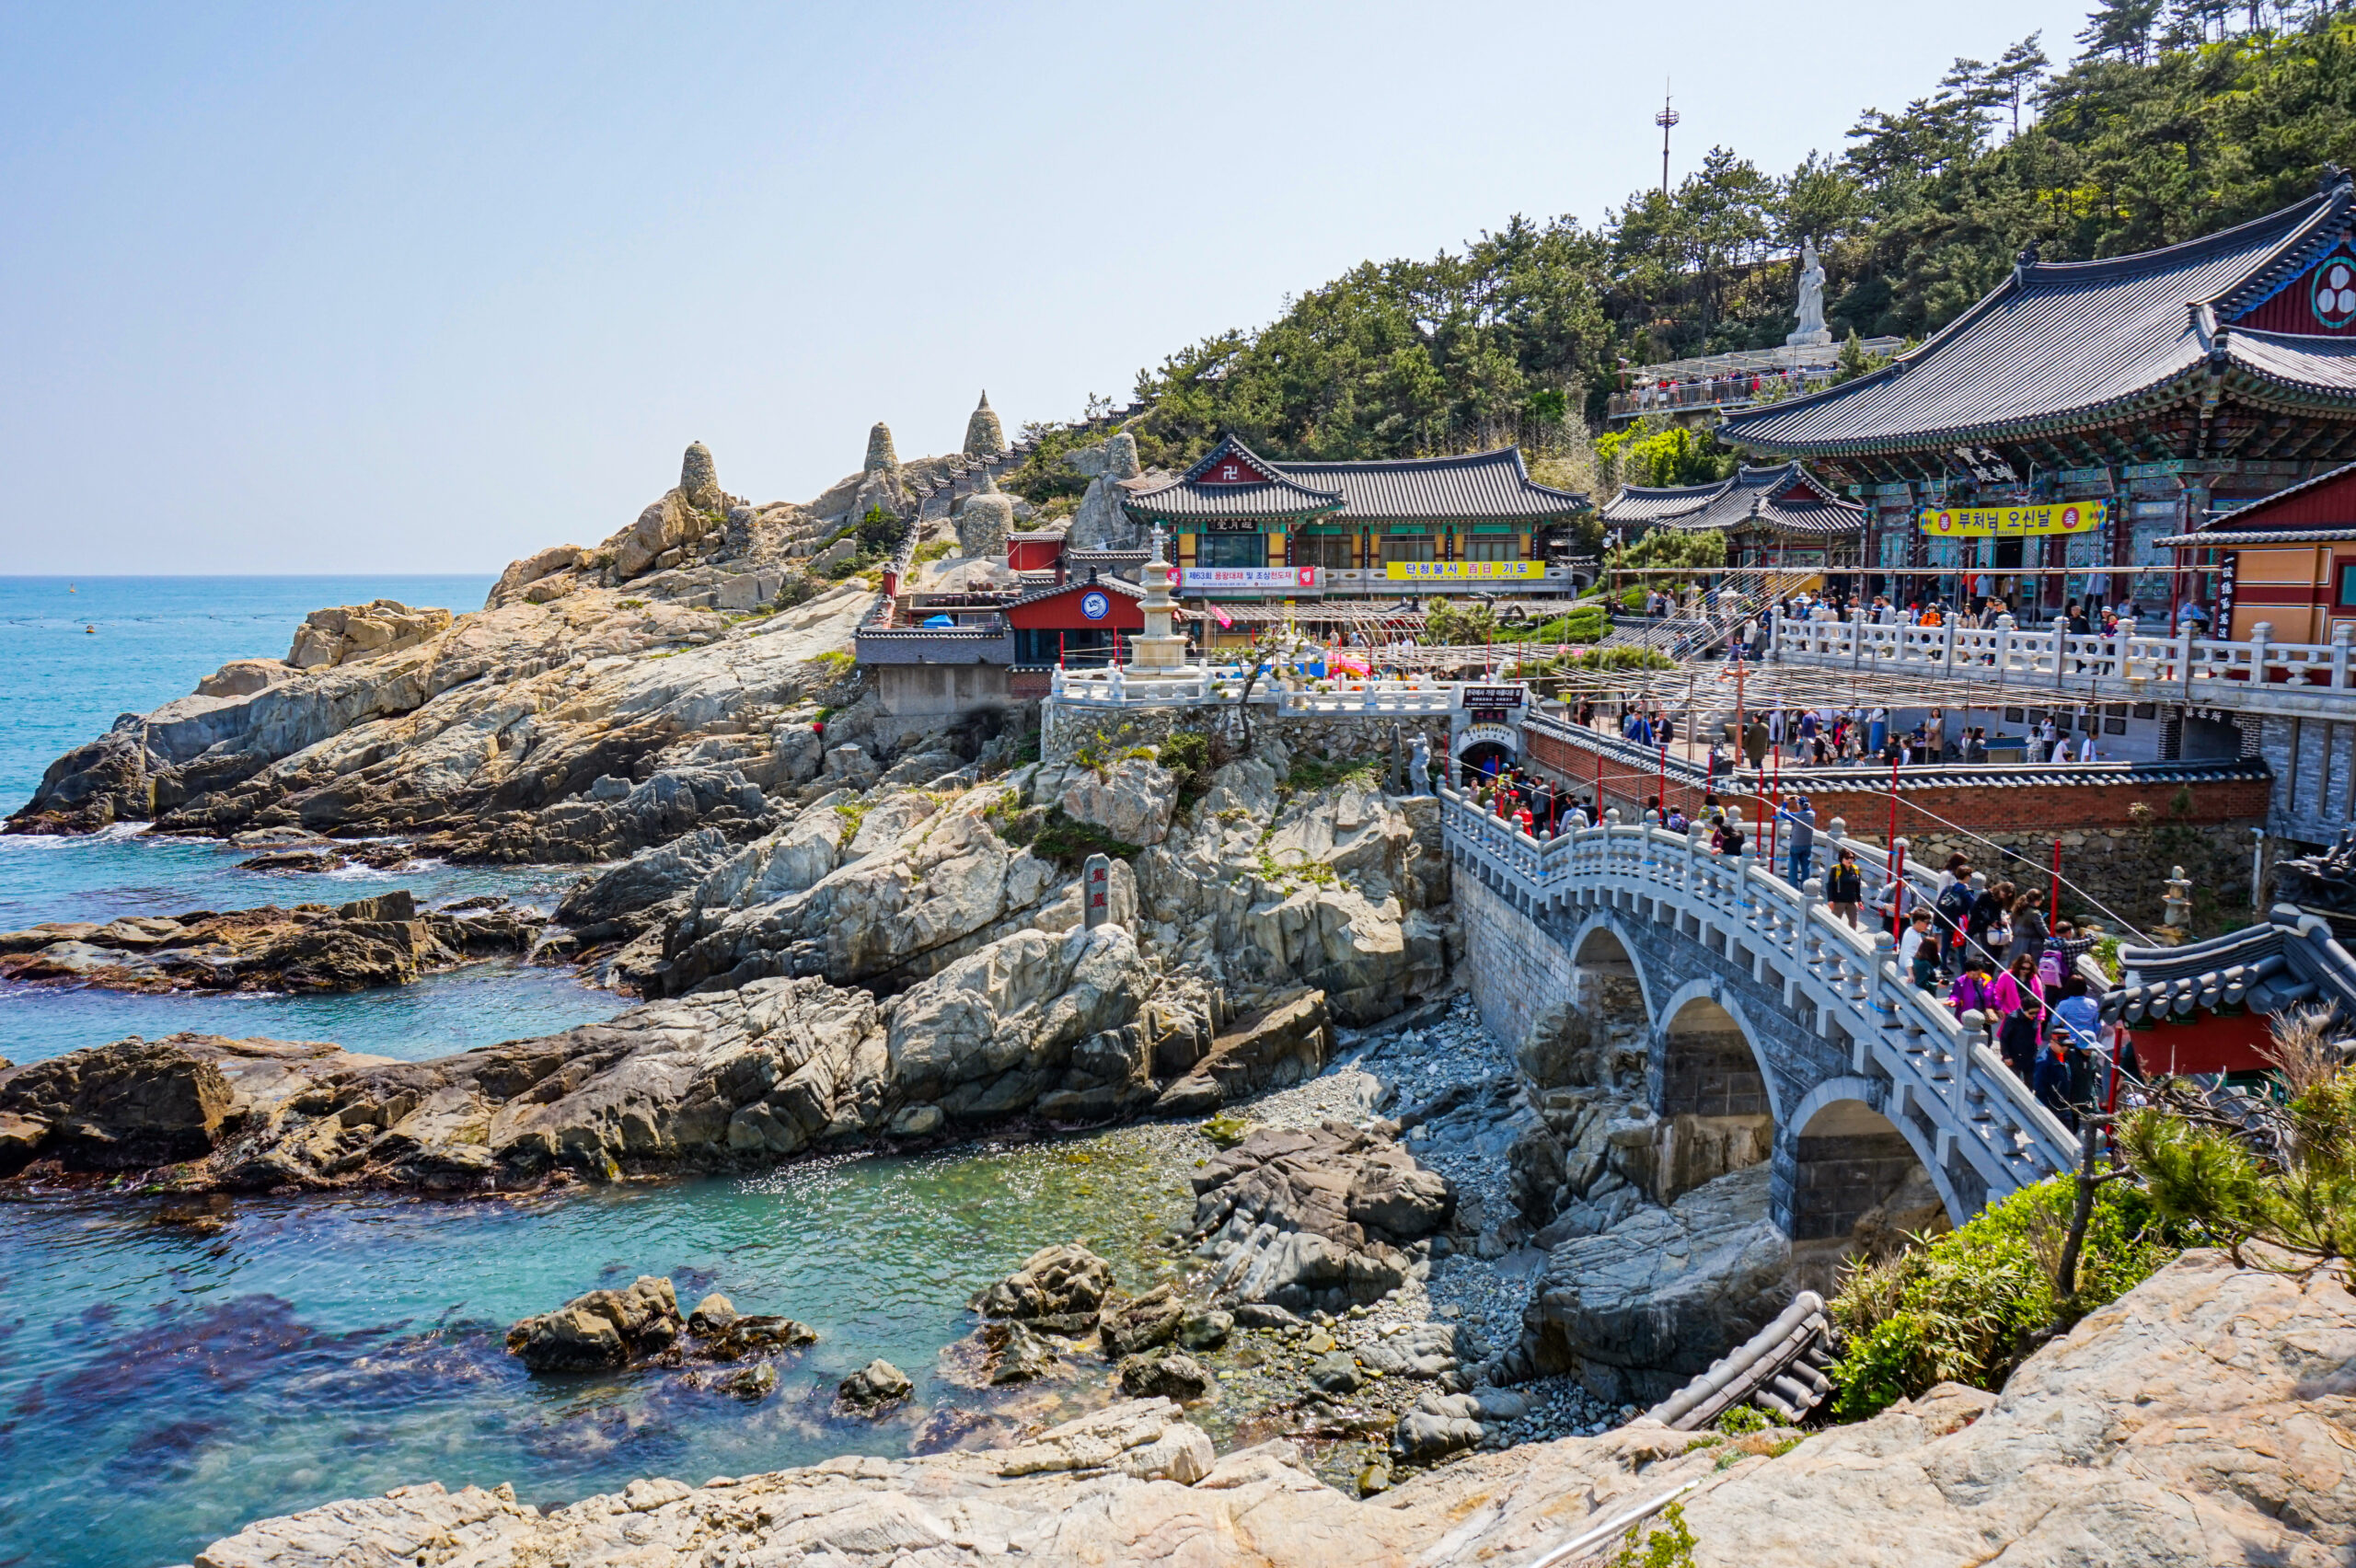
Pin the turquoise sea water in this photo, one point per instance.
(163, 1382)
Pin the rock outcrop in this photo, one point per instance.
(384, 940)
(1031, 1025)
(1338, 887)
(605, 1328)
(349, 633)
(1638, 1308)
(584, 665)
(1068, 1281)
(2205, 1417)
(1315, 1219)
(869, 892)
(984, 520)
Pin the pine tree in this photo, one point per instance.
(2122, 26)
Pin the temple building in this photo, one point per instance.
(1247, 526)
(2287, 562)
(2049, 441)
(1779, 519)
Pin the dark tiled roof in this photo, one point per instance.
(1186, 497)
(2072, 344)
(2221, 538)
(1073, 585)
(1745, 498)
(1480, 485)
(2292, 961)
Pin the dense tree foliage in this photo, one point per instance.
(2182, 117)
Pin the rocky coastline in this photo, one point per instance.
(2201, 1418)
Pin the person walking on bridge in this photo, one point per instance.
(1846, 888)
(1800, 863)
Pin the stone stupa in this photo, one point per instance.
(1159, 650)
(985, 437)
(880, 456)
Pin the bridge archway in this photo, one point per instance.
(1850, 1180)
(1712, 1090)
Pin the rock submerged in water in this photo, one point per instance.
(874, 1386)
(369, 942)
(1053, 1282)
(603, 1329)
(607, 1329)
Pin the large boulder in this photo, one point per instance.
(984, 520)
(605, 1328)
(886, 892)
(1315, 1217)
(642, 888)
(1130, 799)
(1053, 1282)
(1637, 1310)
(125, 1106)
(1282, 1043)
(348, 633)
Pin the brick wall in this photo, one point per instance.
(2120, 841)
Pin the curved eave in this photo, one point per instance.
(2112, 411)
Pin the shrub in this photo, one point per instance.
(1187, 755)
(1968, 1307)
(1740, 1420)
(836, 661)
(1586, 623)
(937, 550)
(1068, 841)
(1669, 1547)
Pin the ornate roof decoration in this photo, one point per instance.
(1781, 499)
(2078, 344)
(2290, 961)
(1486, 486)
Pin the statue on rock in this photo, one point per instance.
(984, 435)
(881, 458)
(699, 481)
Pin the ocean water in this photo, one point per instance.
(163, 1382)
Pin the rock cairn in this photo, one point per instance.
(984, 435)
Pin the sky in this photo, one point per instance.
(427, 287)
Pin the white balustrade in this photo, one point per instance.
(1932, 1058)
(1120, 687)
(2129, 663)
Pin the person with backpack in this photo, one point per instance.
(1971, 991)
(1951, 906)
(1846, 888)
(1983, 929)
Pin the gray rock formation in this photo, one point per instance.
(1636, 1310)
(1099, 519)
(1283, 1043)
(881, 458)
(645, 889)
(1131, 799)
(1053, 1282)
(1334, 888)
(874, 1386)
(1030, 1024)
(984, 436)
(984, 520)
(866, 892)
(369, 942)
(1315, 1219)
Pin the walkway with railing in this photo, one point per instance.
(2291, 677)
(1200, 687)
(1790, 943)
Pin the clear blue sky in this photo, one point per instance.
(427, 286)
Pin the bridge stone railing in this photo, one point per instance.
(1792, 944)
(2316, 678)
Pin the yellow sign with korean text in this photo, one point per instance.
(2012, 522)
(1465, 571)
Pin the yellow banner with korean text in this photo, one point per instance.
(1465, 571)
(2012, 522)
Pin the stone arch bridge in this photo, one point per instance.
(1765, 1018)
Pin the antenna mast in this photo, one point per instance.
(1665, 119)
